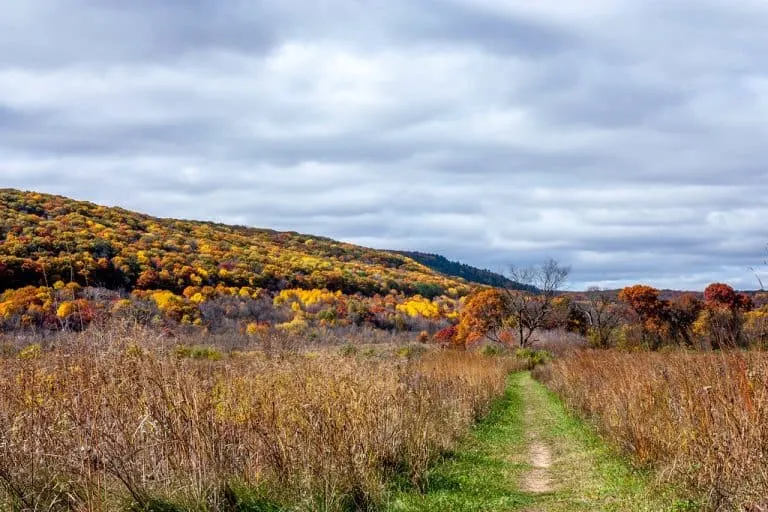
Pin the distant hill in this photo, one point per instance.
(467, 272)
(46, 238)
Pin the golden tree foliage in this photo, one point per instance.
(419, 306)
(306, 297)
(50, 238)
(184, 267)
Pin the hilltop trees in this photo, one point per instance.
(45, 238)
(200, 274)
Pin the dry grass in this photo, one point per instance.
(127, 423)
(701, 419)
(559, 342)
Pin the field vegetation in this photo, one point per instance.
(133, 421)
(697, 418)
(158, 364)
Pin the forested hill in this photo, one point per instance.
(469, 273)
(46, 238)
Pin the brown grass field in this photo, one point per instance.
(700, 419)
(131, 419)
(107, 423)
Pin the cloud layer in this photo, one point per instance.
(625, 138)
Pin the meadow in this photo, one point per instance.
(131, 420)
(152, 364)
(698, 419)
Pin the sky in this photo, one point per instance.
(626, 138)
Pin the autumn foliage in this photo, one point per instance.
(483, 316)
(48, 238)
(719, 295)
(64, 264)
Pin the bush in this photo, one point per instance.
(410, 351)
(31, 352)
(533, 358)
(198, 352)
(489, 350)
(348, 349)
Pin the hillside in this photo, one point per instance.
(469, 273)
(46, 238)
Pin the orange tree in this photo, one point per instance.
(485, 315)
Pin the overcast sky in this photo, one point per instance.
(628, 138)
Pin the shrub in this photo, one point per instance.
(490, 350)
(532, 358)
(198, 352)
(446, 335)
(31, 352)
(410, 351)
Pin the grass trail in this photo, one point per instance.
(531, 455)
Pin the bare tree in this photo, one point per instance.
(529, 310)
(757, 271)
(602, 314)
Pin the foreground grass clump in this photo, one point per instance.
(700, 419)
(131, 427)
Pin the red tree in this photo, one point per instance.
(720, 295)
(651, 311)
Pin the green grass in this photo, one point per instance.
(589, 474)
(480, 475)
(486, 471)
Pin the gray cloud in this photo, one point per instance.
(625, 138)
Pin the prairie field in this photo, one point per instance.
(126, 417)
(103, 423)
(698, 419)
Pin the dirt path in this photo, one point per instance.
(538, 479)
(531, 455)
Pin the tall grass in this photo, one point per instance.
(701, 419)
(131, 427)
